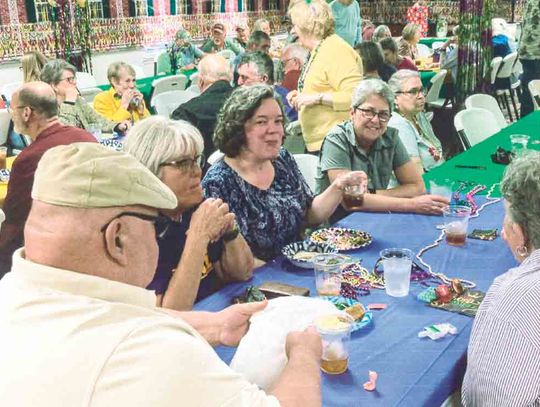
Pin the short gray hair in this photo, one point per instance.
(296, 51)
(409, 31)
(369, 87)
(113, 71)
(520, 187)
(54, 69)
(398, 78)
(264, 64)
(156, 140)
(380, 32)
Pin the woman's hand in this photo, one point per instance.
(351, 178)
(299, 100)
(123, 126)
(430, 204)
(211, 219)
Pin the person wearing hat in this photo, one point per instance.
(79, 328)
(219, 41)
(184, 52)
(34, 111)
(242, 35)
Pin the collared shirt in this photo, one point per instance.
(348, 21)
(71, 339)
(107, 103)
(18, 198)
(81, 114)
(187, 55)
(210, 46)
(529, 44)
(503, 359)
(340, 150)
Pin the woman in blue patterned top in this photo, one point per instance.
(260, 180)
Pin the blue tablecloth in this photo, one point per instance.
(412, 371)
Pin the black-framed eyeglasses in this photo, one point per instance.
(158, 220)
(13, 108)
(70, 79)
(369, 114)
(413, 92)
(186, 164)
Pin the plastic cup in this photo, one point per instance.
(456, 222)
(3, 157)
(397, 265)
(335, 331)
(519, 143)
(442, 188)
(327, 269)
(95, 130)
(353, 196)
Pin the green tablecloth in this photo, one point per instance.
(430, 40)
(480, 155)
(425, 77)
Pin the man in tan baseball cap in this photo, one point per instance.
(79, 328)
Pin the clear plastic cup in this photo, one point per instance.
(441, 188)
(353, 196)
(327, 269)
(397, 265)
(3, 157)
(456, 222)
(519, 143)
(335, 331)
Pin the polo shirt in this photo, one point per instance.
(347, 20)
(340, 150)
(18, 199)
(71, 339)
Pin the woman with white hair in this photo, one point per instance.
(200, 247)
(414, 128)
(366, 143)
(329, 76)
(410, 36)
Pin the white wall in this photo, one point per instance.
(10, 72)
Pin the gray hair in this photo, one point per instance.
(214, 67)
(257, 24)
(520, 187)
(409, 31)
(264, 64)
(113, 72)
(369, 87)
(156, 140)
(380, 32)
(398, 78)
(229, 135)
(54, 69)
(296, 51)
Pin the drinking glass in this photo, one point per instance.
(397, 265)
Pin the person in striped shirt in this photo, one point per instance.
(504, 350)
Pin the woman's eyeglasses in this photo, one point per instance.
(413, 92)
(369, 114)
(186, 164)
(69, 79)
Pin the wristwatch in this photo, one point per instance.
(231, 234)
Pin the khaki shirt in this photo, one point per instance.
(71, 339)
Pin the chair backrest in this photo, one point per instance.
(5, 118)
(436, 84)
(495, 67)
(9, 88)
(476, 124)
(85, 80)
(165, 103)
(507, 65)
(307, 164)
(169, 83)
(227, 54)
(215, 157)
(194, 89)
(534, 88)
(162, 63)
(139, 72)
(193, 77)
(424, 50)
(89, 94)
(487, 102)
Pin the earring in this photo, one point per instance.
(522, 251)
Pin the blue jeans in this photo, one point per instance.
(531, 70)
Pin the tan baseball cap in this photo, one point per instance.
(89, 175)
(219, 27)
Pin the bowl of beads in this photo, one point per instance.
(302, 253)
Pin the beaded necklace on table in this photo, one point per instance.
(306, 67)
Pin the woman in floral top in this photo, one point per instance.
(260, 180)
(414, 128)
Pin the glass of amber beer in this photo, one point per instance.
(335, 331)
(456, 222)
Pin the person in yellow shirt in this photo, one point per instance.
(122, 101)
(329, 77)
